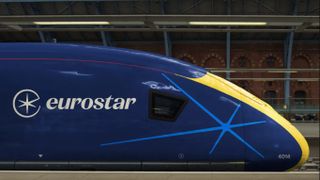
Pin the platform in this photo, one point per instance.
(308, 130)
(121, 175)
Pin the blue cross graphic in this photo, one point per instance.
(224, 127)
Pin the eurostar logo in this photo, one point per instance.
(26, 103)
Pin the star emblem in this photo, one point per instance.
(24, 103)
(28, 103)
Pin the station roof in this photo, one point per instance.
(147, 20)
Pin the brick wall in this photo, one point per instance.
(250, 55)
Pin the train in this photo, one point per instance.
(86, 107)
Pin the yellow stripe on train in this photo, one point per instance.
(231, 89)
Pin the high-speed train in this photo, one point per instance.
(75, 107)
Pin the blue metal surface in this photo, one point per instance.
(213, 127)
(228, 55)
(228, 42)
(288, 56)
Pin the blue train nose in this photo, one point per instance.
(281, 144)
(278, 145)
(294, 149)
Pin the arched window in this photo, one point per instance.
(300, 97)
(213, 62)
(243, 84)
(187, 59)
(243, 62)
(269, 84)
(269, 62)
(270, 97)
(300, 62)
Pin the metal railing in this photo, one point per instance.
(299, 110)
(258, 74)
(312, 164)
(264, 70)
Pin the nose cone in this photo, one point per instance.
(303, 147)
(284, 146)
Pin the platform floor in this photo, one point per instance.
(100, 175)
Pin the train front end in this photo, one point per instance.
(272, 143)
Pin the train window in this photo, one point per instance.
(165, 107)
